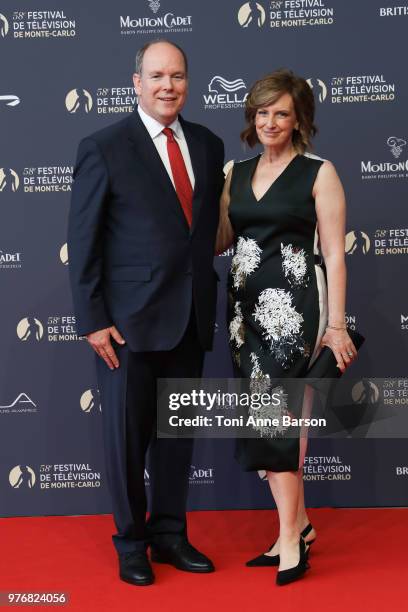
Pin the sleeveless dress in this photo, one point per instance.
(277, 296)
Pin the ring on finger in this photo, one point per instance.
(349, 353)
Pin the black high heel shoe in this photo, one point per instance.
(265, 560)
(294, 573)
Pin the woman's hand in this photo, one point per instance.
(342, 346)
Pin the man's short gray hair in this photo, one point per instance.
(142, 51)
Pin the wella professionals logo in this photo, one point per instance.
(251, 15)
(9, 100)
(225, 94)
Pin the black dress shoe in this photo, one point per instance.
(183, 556)
(294, 573)
(274, 560)
(134, 567)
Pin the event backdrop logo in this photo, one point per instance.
(22, 476)
(167, 23)
(394, 11)
(396, 145)
(225, 94)
(42, 24)
(365, 392)
(357, 242)
(23, 403)
(319, 86)
(251, 14)
(154, 5)
(4, 26)
(286, 14)
(9, 100)
(64, 254)
(78, 101)
(9, 180)
(90, 400)
(9, 260)
(404, 322)
(219, 84)
(352, 89)
(30, 328)
(387, 170)
(201, 475)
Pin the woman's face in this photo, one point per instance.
(275, 123)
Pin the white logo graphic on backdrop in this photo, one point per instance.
(157, 24)
(319, 86)
(357, 242)
(78, 101)
(4, 26)
(218, 83)
(9, 180)
(201, 475)
(251, 14)
(225, 94)
(91, 401)
(387, 170)
(30, 328)
(404, 322)
(22, 476)
(22, 403)
(396, 145)
(154, 5)
(10, 100)
(64, 254)
(9, 260)
(365, 392)
(394, 11)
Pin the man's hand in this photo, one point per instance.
(101, 344)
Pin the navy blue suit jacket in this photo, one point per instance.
(133, 260)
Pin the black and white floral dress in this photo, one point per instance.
(277, 292)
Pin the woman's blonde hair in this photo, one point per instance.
(267, 91)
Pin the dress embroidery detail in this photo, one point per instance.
(245, 261)
(294, 266)
(281, 324)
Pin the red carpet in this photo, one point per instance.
(358, 562)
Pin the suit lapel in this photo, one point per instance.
(199, 163)
(148, 155)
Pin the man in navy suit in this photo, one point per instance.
(143, 219)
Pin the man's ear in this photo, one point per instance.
(137, 82)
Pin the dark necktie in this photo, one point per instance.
(181, 179)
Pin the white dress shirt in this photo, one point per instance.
(155, 130)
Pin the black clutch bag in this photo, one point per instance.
(325, 366)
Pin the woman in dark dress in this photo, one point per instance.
(281, 209)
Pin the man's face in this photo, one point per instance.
(162, 85)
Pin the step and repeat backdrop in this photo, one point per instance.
(65, 72)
